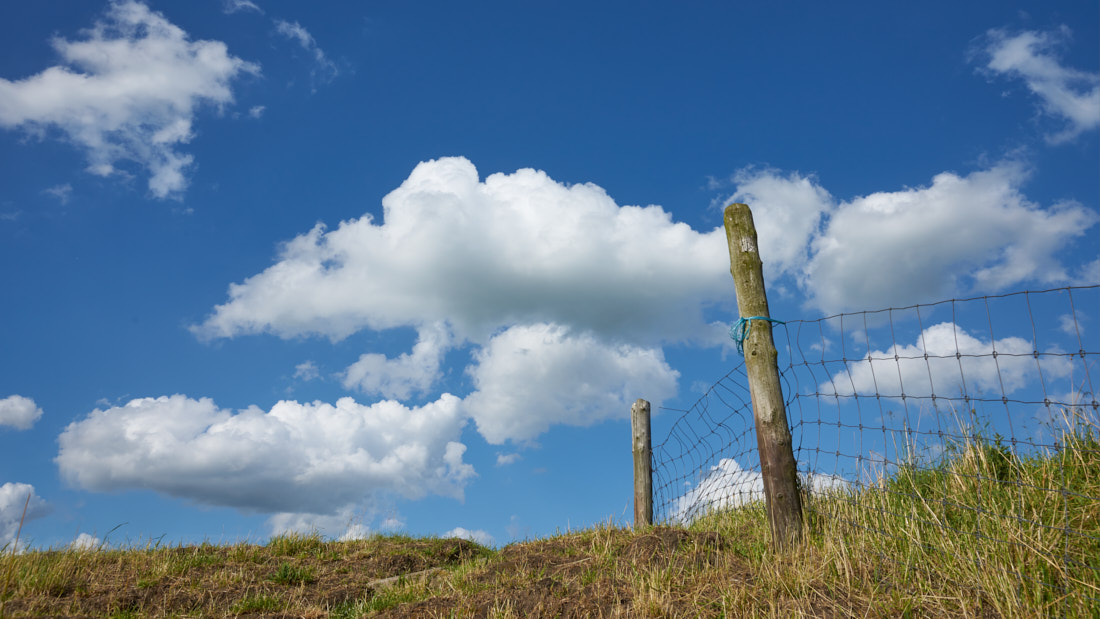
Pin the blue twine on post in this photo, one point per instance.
(740, 330)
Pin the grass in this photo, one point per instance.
(979, 532)
(288, 574)
(256, 604)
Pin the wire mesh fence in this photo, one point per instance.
(936, 428)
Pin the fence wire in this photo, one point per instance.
(942, 405)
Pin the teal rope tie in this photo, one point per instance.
(740, 330)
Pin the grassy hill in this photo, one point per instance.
(979, 533)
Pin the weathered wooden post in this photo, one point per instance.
(773, 435)
(643, 465)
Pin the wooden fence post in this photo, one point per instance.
(773, 435)
(643, 463)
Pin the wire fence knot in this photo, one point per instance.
(740, 330)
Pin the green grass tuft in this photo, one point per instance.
(296, 544)
(288, 574)
(257, 604)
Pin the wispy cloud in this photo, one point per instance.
(236, 6)
(1068, 94)
(306, 371)
(508, 459)
(61, 192)
(324, 70)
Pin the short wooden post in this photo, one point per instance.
(643, 463)
(773, 435)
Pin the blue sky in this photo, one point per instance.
(398, 266)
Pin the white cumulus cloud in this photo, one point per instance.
(127, 91)
(346, 524)
(86, 542)
(728, 486)
(553, 285)
(955, 358)
(408, 374)
(14, 497)
(725, 486)
(1068, 94)
(960, 234)
(515, 248)
(531, 377)
(786, 210)
(19, 412)
(479, 536)
(312, 458)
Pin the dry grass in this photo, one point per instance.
(980, 533)
(292, 576)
